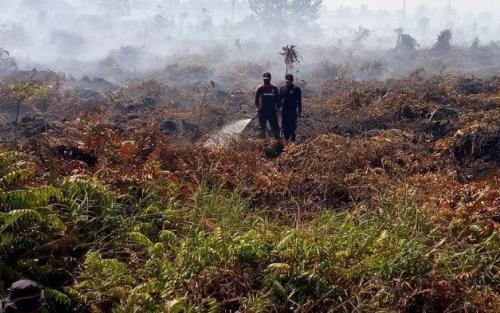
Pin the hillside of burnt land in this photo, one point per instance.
(389, 201)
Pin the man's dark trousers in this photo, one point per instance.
(289, 124)
(270, 116)
(291, 106)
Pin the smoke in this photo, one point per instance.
(123, 39)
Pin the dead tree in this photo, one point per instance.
(443, 42)
(291, 57)
(361, 35)
(405, 43)
(476, 43)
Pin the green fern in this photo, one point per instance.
(14, 217)
(181, 305)
(259, 303)
(141, 239)
(168, 237)
(15, 168)
(140, 299)
(31, 198)
(213, 306)
(6, 239)
(57, 297)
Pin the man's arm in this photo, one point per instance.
(281, 97)
(258, 96)
(277, 97)
(299, 99)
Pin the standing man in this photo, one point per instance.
(267, 102)
(291, 103)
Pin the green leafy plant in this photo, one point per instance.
(23, 92)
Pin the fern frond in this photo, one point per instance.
(168, 237)
(179, 306)
(11, 218)
(57, 296)
(31, 198)
(141, 239)
(6, 240)
(14, 169)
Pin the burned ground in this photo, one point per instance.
(365, 149)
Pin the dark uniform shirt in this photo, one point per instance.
(291, 98)
(267, 98)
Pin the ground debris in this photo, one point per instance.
(74, 153)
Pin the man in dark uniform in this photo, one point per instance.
(267, 102)
(291, 104)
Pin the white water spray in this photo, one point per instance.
(229, 132)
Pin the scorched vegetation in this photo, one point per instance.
(389, 201)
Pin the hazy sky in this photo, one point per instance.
(74, 38)
(462, 5)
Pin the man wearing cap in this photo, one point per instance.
(25, 296)
(267, 102)
(291, 104)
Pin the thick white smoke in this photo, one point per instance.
(85, 37)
